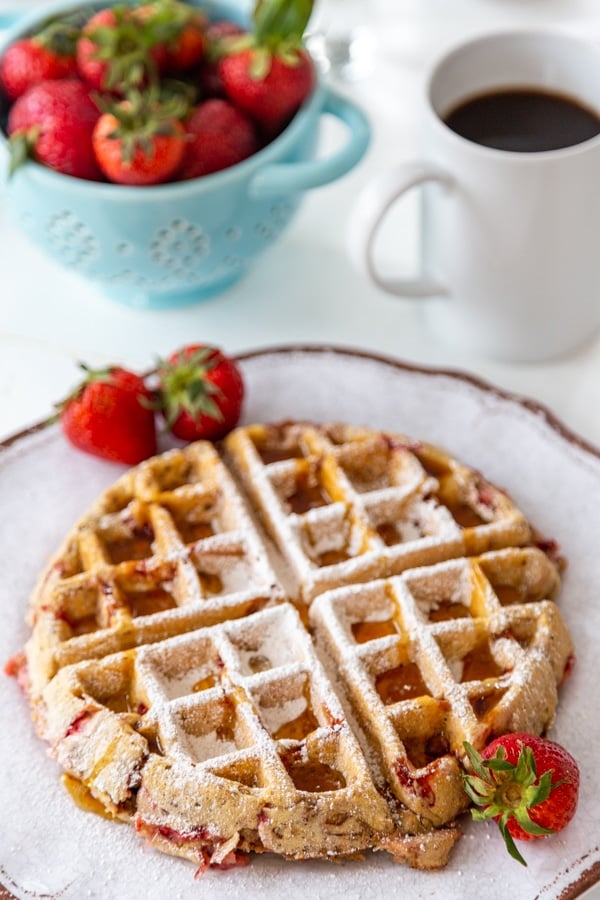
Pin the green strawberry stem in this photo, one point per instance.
(169, 17)
(144, 115)
(126, 49)
(91, 375)
(280, 23)
(278, 28)
(503, 791)
(60, 37)
(21, 146)
(186, 389)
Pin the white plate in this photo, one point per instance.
(50, 849)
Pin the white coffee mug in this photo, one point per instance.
(510, 241)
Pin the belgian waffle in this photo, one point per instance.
(459, 651)
(306, 693)
(168, 548)
(345, 504)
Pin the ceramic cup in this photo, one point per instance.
(509, 241)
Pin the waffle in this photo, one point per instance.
(168, 548)
(248, 743)
(345, 504)
(281, 645)
(463, 650)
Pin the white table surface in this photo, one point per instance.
(306, 289)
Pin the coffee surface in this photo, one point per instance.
(524, 120)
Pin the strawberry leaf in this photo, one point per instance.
(21, 148)
(476, 761)
(276, 21)
(508, 840)
(260, 64)
(524, 820)
(60, 37)
(185, 387)
(91, 376)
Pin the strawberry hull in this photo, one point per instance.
(177, 243)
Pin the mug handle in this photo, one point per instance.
(370, 211)
(289, 177)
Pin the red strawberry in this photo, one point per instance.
(53, 122)
(221, 136)
(140, 141)
(47, 55)
(118, 50)
(200, 393)
(271, 95)
(527, 784)
(271, 78)
(187, 48)
(110, 415)
(180, 30)
(216, 35)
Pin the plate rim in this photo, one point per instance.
(533, 406)
(591, 876)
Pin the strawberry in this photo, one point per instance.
(528, 784)
(217, 35)
(200, 393)
(270, 74)
(118, 50)
(187, 48)
(47, 55)
(140, 141)
(180, 30)
(219, 135)
(53, 123)
(110, 415)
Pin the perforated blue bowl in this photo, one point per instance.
(175, 244)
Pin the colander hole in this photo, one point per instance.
(263, 231)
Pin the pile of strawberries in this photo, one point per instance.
(154, 92)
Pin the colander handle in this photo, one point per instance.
(289, 177)
(9, 17)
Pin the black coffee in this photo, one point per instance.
(524, 120)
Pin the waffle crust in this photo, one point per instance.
(280, 645)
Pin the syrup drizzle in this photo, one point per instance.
(316, 777)
(446, 610)
(479, 664)
(370, 631)
(404, 682)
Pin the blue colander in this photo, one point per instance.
(175, 244)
